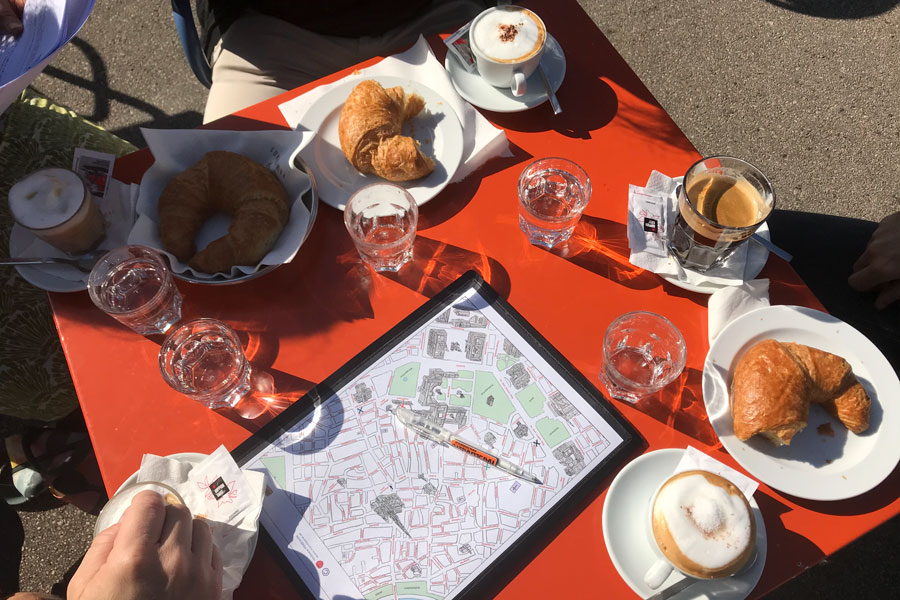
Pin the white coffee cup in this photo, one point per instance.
(703, 527)
(508, 42)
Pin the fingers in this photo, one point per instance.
(864, 279)
(889, 294)
(142, 523)
(217, 571)
(9, 20)
(178, 528)
(202, 542)
(93, 560)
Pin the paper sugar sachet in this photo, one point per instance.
(227, 498)
(658, 199)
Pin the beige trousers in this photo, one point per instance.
(261, 56)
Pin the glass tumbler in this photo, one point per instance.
(203, 360)
(382, 219)
(553, 192)
(133, 285)
(642, 353)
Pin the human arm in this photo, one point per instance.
(11, 16)
(156, 552)
(878, 269)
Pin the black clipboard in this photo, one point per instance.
(503, 567)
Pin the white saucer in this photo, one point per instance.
(483, 95)
(627, 539)
(757, 257)
(43, 277)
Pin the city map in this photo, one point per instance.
(366, 509)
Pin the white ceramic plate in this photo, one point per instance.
(483, 95)
(627, 539)
(813, 466)
(757, 256)
(436, 128)
(43, 277)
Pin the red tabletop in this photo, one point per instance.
(304, 320)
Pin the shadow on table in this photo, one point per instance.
(680, 406)
(837, 9)
(601, 246)
(875, 499)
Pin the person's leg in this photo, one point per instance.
(824, 249)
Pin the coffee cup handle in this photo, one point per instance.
(517, 85)
(658, 573)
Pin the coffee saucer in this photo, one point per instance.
(625, 532)
(52, 278)
(483, 95)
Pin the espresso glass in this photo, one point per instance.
(721, 203)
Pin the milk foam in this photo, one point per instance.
(46, 198)
(710, 526)
(508, 34)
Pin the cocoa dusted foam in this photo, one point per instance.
(703, 524)
(509, 34)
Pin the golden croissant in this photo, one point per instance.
(370, 132)
(229, 183)
(774, 384)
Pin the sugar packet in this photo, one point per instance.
(458, 45)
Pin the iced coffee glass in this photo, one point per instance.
(722, 202)
(57, 206)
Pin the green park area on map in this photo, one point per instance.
(491, 400)
(405, 380)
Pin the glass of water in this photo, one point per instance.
(642, 353)
(381, 219)
(133, 285)
(553, 192)
(203, 360)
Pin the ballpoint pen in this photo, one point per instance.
(430, 430)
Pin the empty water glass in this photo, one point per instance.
(203, 360)
(642, 353)
(133, 285)
(381, 219)
(553, 192)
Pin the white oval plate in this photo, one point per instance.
(483, 95)
(627, 539)
(813, 466)
(436, 128)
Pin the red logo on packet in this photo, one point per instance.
(319, 564)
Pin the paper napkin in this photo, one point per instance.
(482, 141)
(660, 189)
(227, 498)
(727, 304)
(118, 210)
(693, 459)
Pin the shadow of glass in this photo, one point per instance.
(837, 9)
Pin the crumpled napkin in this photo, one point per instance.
(482, 141)
(662, 187)
(118, 210)
(226, 497)
(727, 304)
(176, 150)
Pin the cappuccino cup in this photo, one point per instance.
(508, 42)
(702, 525)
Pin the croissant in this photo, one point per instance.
(232, 184)
(774, 384)
(370, 132)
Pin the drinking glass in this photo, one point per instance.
(203, 360)
(553, 193)
(722, 202)
(642, 353)
(381, 219)
(133, 285)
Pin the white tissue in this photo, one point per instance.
(693, 459)
(727, 304)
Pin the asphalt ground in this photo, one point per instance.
(804, 89)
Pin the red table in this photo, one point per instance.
(304, 320)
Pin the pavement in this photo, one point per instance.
(804, 89)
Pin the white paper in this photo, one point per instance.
(727, 304)
(482, 141)
(695, 459)
(176, 150)
(48, 26)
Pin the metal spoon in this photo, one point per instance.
(83, 263)
(554, 103)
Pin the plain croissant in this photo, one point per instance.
(774, 384)
(370, 132)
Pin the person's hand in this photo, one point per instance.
(11, 16)
(156, 552)
(878, 269)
